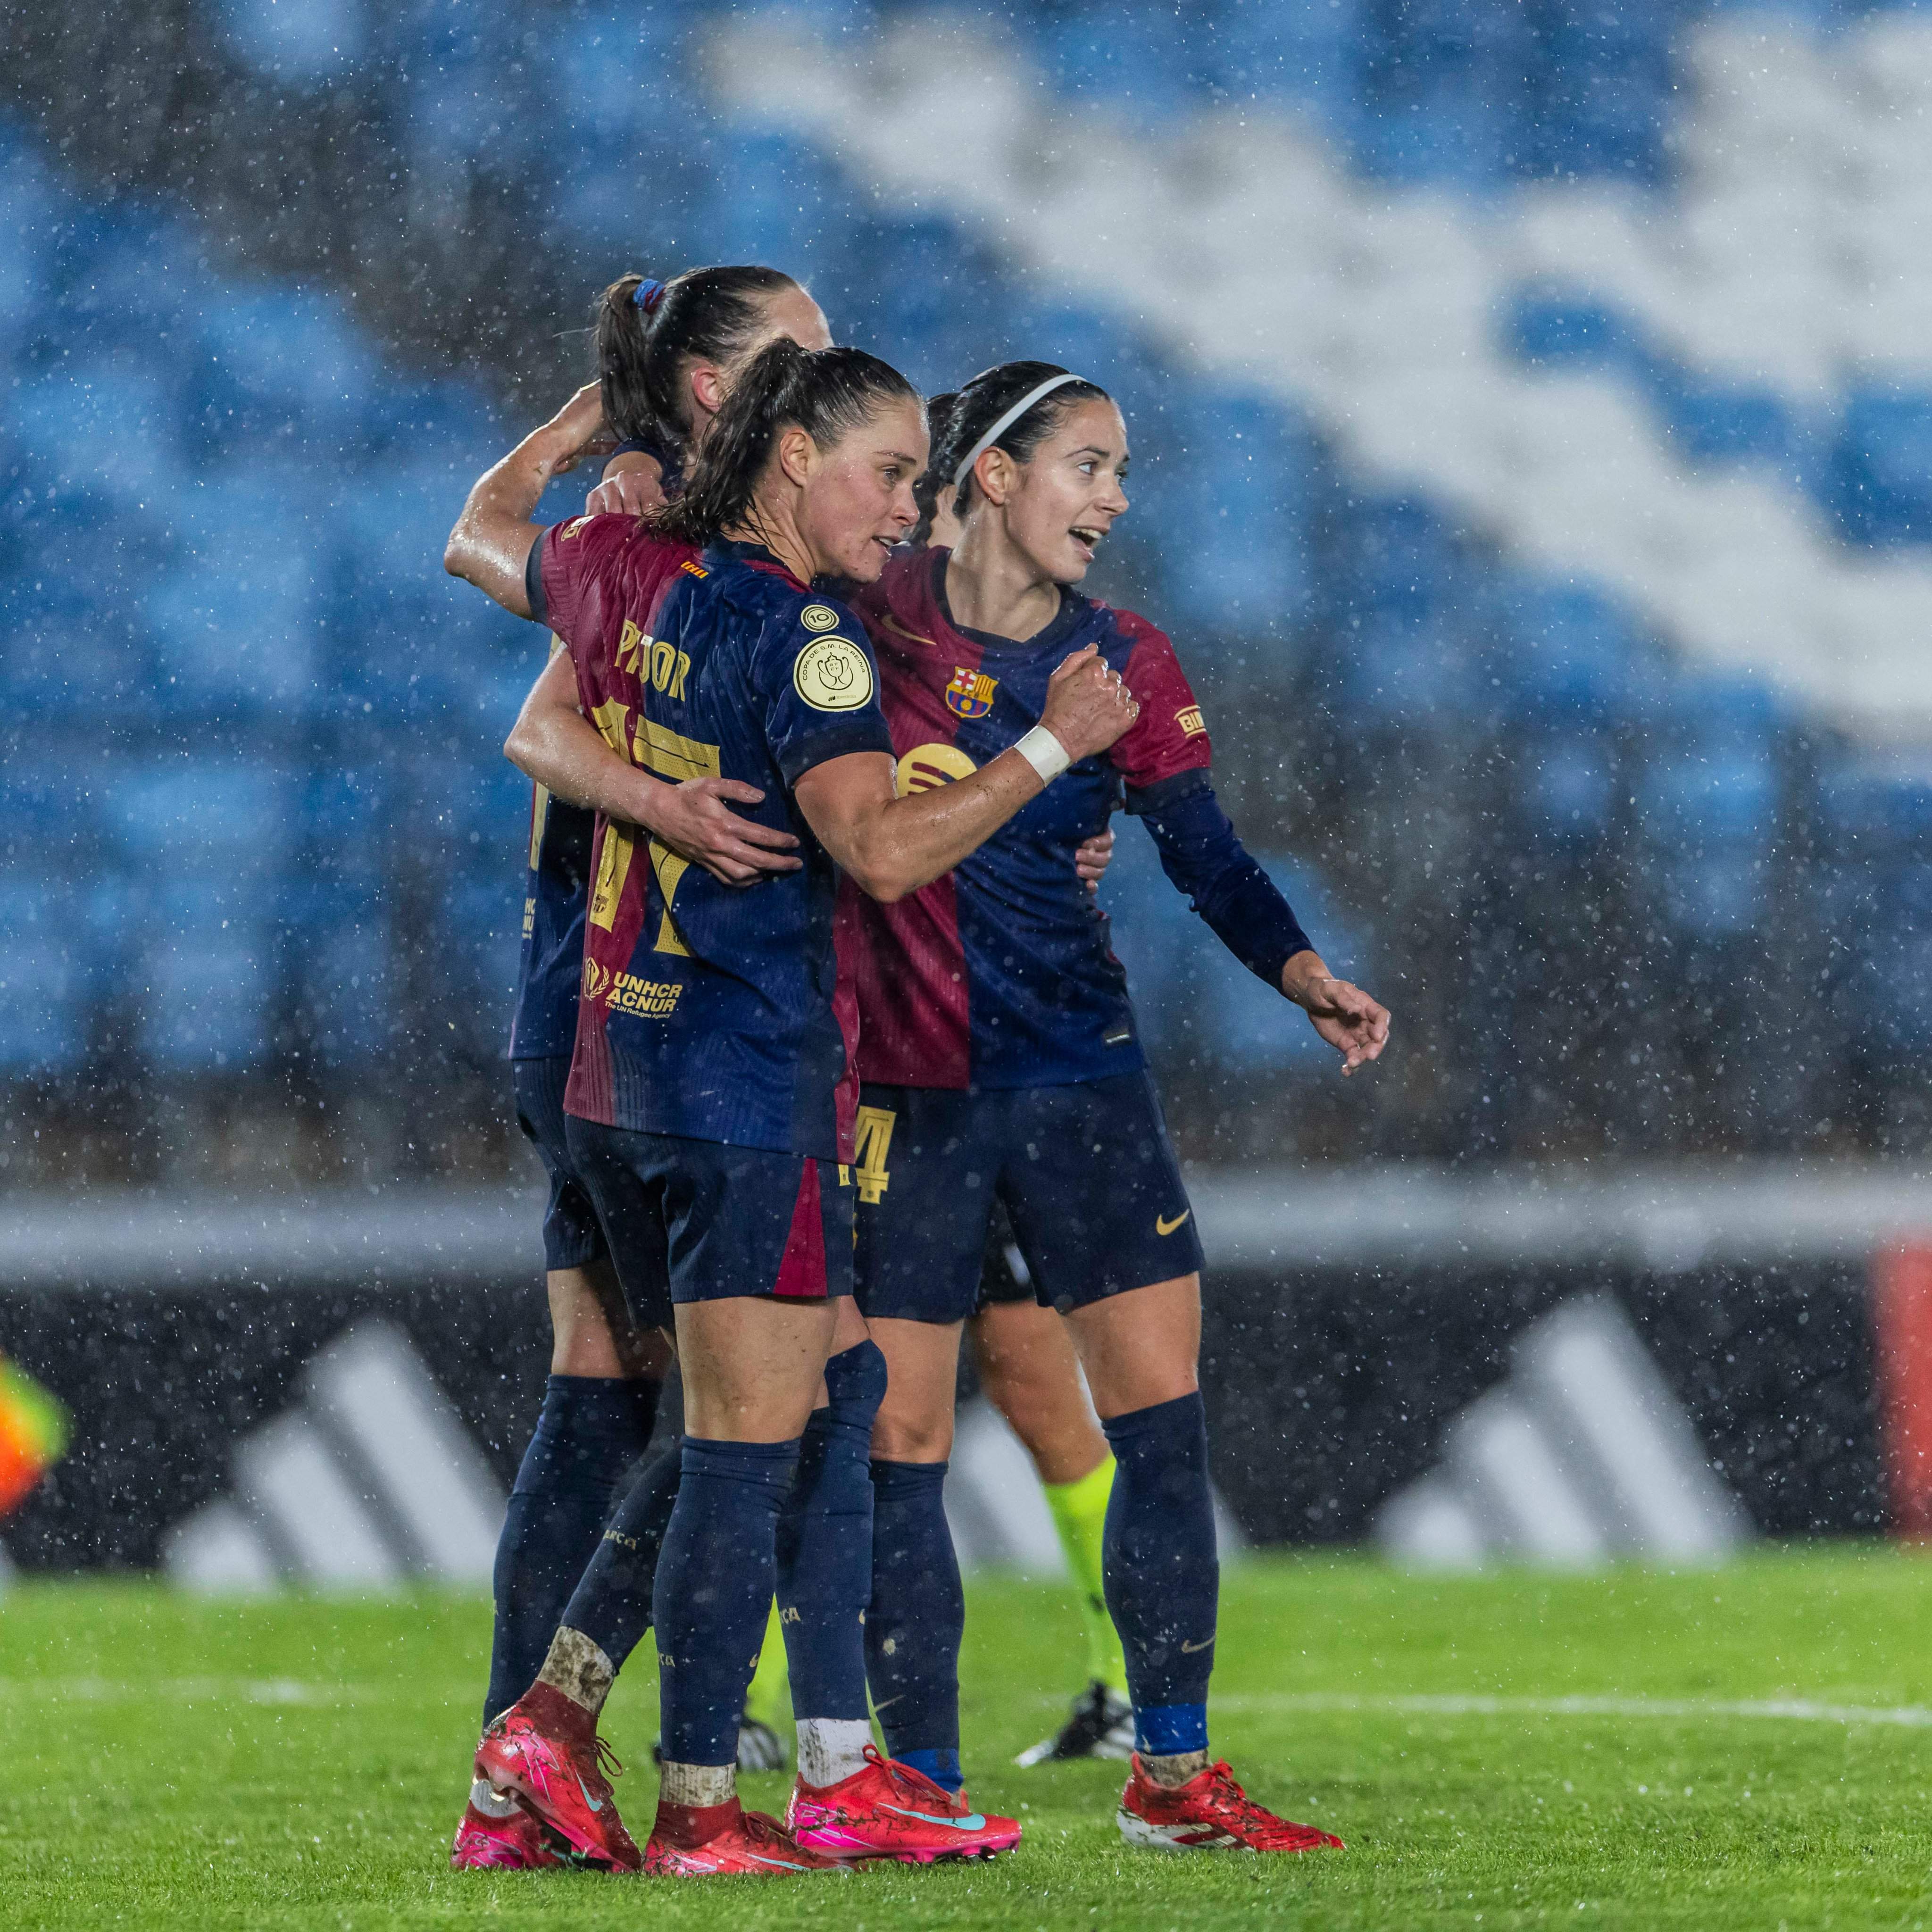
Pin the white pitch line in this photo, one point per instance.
(185, 1690)
(1792, 1710)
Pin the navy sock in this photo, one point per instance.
(591, 1429)
(917, 1617)
(824, 1542)
(714, 1591)
(611, 1604)
(1162, 1574)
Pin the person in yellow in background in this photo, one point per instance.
(33, 1436)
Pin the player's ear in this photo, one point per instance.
(797, 452)
(996, 473)
(707, 387)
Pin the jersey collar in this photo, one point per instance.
(1074, 611)
(728, 549)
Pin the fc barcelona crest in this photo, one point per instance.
(970, 693)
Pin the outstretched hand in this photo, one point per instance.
(1356, 1025)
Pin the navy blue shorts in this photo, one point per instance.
(692, 1220)
(571, 1237)
(1004, 1276)
(1086, 1172)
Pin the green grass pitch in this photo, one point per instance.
(1500, 1751)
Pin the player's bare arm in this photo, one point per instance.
(892, 846)
(1347, 1018)
(492, 537)
(554, 744)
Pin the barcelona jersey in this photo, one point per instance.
(1001, 974)
(713, 1011)
(544, 1023)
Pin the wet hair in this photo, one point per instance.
(926, 491)
(986, 398)
(648, 333)
(828, 393)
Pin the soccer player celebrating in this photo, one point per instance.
(604, 1375)
(999, 1055)
(712, 1039)
(1026, 1362)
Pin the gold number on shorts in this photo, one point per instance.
(875, 1143)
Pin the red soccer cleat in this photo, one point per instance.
(544, 1752)
(515, 1843)
(1209, 1812)
(726, 1841)
(889, 1810)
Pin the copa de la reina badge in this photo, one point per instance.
(832, 674)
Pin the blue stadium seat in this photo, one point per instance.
(209, 977)
(779, 201)
(1150, 59)
(1710, 823)
(1557, 328)
(1571, 652)
(282, 371)
(210, 818)
(43, 1006)
(1897, 955)
(1880, 476)
(1710, 422)
(1304, 51)
(301, 46)
(1230, 503)
(113, 429)
(235, 622)
(339, 947)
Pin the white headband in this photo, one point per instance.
(1006, 422)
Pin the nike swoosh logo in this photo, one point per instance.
(588, 1799)
(1188, 1649)
(1163, 1225)
(783, 1865)
(972, 1822)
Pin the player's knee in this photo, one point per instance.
(911, 1438)
(856, 1378)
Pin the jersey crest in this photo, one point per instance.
(970, 693)
(831, 674)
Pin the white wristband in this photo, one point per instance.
(1045, 752)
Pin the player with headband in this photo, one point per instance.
(1026, 1362)
(1001, 1062)
(711, 1041)
(665, 354)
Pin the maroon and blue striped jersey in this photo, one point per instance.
(543, 1023)
(1001, 974)
(713, 1012)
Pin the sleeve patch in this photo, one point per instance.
(832, 674)
(816, 617)
(1189, 719)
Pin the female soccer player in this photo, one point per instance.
(999, 1061)
(665, 351)
(1026, 1362)
(711, 1048)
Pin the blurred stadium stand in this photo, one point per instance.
(1530, 408)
